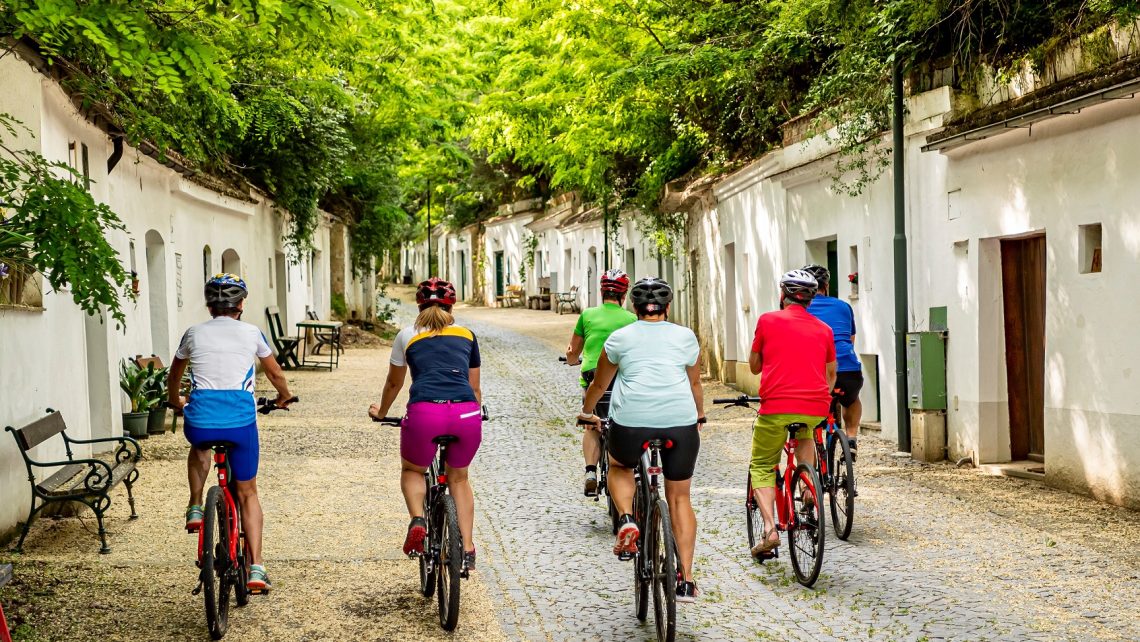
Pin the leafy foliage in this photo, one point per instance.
(56, 228)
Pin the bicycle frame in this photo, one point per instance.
(223, 467)
(785, 513)
(824, 435)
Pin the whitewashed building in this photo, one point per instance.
(178, 232)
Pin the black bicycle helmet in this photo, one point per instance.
(822, 275)
(798, 286)
(225, 291)
(650, 295)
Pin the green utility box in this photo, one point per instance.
(926, 370)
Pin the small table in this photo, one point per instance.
(334, 354)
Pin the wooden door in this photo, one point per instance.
(499, 285)
(1023, 294)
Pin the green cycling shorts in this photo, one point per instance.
(768, 436)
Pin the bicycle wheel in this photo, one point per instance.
(450, 563)
(662, 556)
(215, 563)
(806, 532)
(753, 515)
(428, 567)
(641, 572)
(842, 486)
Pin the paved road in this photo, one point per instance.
(922, 563)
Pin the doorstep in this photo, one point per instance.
(1023, 469)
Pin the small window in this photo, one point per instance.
(207, 263)
(1089, 251)
(270, 280)
(853, 276)
(21, 287)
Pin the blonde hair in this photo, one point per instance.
(434, 318)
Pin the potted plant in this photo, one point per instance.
(155, 390)
(132, 381)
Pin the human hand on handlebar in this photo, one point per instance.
(177, 406)
(589, 421)
(374, 412)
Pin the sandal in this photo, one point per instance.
(766, 544)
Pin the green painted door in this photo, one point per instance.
(499, 283)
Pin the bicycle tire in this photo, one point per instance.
(640, 570)
(754, 517)
(450, 563)
(663, 558)
(428, 567)
(806, 533)
(842, 489)
(214, 565)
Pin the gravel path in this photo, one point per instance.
(936, 553)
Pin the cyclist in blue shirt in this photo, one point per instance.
(222, 353)
(839, 316)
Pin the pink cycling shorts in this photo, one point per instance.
(426, 420)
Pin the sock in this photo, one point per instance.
(591, 469)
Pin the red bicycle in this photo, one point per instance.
(222, 562)
(798, 509)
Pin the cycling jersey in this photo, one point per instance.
(222, 354)
(838, 316)
(794, 349)
(440, 362)
(653, 388)
(595, 326)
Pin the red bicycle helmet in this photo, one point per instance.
(616, 281)
(435, 291)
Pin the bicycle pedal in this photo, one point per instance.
(625, 557)
(197, 589)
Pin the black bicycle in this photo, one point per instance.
(836, 469)
(655, 562)
(602, 410)
(222, 561)
(441, 563)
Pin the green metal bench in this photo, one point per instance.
(87, 481)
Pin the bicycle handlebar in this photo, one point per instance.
(267, 405)
(742, 401)
(562, 359)
(399, 421)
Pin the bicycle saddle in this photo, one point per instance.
(215, 445)
(444, 439)
(796, 427)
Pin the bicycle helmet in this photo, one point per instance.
(821, 274)
(650, 295)
(798, 286)
(616, 281)
(225, 291)
(435, 291)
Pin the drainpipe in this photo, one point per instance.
(116, 152)
(902, 305)
(606, 231)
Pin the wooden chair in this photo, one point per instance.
(568, 299)
(329, 338)
(286, 345)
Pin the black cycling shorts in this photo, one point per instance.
(850, 383)
(677, 463)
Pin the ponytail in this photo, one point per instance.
(434, 318)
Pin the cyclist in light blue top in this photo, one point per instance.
(658, 394)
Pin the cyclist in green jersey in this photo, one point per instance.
(594, 327)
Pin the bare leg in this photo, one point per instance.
(766, 498)
(852, 415)
(591, 447)
(197, 470)
(252, 519)
(460, 488)
(621, 487)
(684, 523)
(805, 451)
(413, 486)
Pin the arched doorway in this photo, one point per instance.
(231, 262)
(156, 294)
(207, 263)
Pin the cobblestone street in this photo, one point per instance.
(935, 553)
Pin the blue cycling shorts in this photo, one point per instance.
(243, 454)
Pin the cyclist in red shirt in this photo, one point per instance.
(794, 354)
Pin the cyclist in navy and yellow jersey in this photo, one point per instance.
(595, 326)
(444, 400)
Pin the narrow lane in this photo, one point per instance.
(923, 563)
